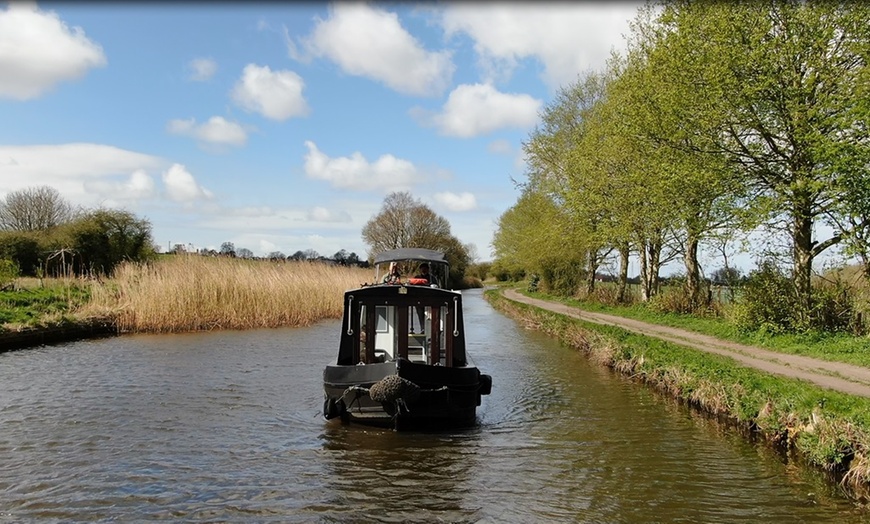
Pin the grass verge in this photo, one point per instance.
(826, 429)
(48, 303)
(833, 347)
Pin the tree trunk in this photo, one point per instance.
(693, 272)
(644, 272)
(802, 236)
(592, 263)
(624, 254)
(653, 267)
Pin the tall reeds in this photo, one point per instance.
(192, 293)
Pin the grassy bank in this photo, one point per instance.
(824, 428)
(42, 302)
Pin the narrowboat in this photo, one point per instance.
(402, 360)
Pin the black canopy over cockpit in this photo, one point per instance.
(411, 253)
(408, 258)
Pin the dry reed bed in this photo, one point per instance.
(192, 293)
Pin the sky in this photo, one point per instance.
(282, 126)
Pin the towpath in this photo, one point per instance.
(846, 378)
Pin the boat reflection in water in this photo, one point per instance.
(401, 359)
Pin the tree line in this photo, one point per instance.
(41, 234)
(720, 124)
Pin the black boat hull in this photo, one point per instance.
(430, 396)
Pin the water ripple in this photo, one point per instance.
(226, 427)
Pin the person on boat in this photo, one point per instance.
(394, 276)
(425, 275)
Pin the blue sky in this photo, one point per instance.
(282, 126)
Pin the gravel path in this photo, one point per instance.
(846, 378)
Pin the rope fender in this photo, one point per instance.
(390, 390)
(393, 388)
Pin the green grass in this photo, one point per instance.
(32, 306)
(833, 347)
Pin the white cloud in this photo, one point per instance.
(140, 185)
(276, 95)
(479, 109)
(370, 42)
(321, 214)
(182, 187)
(567, 38)
(38, 50)
(85, 174)
(453, 202)
(217, 131)
(355, 172)
(201, 69)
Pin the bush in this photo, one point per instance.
(534, 280)
(770, 303)
(561, 277)
(8, 272)
(833, 308)
(504, 272)
(23, 249)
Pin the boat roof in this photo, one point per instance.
(411, 253)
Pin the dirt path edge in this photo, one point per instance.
(838, 376)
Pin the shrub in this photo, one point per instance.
(833, 308)
(23, 249)
(8, 272)
(770, 303)
(561, 277)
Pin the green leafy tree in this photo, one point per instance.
(24, 249)
(783, 87)
(104, 238)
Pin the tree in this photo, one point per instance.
(34, 209)
(340, 257)
(228, 249)
(104, 238)
(24, 249)
(783, 87)
(276, 255)
(406, 222)
(244, 252)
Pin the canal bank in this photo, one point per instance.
(29, 337)
(797, 407)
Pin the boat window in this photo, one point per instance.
(381, 326)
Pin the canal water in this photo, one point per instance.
(226, 427)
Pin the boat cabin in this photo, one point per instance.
(403, 316)
(416, 323)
